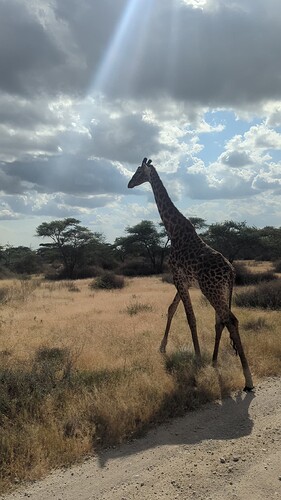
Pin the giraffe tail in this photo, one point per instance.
(231, 284)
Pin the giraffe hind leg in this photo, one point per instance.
(232, 326)
(219, 328)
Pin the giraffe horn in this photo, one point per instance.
(144, 161)
(149, 162)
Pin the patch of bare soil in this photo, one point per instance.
(227, 450)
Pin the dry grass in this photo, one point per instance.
(262, 266)
(81, 370)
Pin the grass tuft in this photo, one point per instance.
(72, 287)
(138, 307)
(277, 266)
(256, 324)
(108, 281)
(4, 295)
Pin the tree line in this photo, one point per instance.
(69, 250)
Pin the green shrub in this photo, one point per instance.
(108, 281)
(138, 307)
(4, 294)
(136, 268)
(245, 277)
(5, 273)
(88, 272)
(72, 287)
(256, 325)
(264, 296)
(94, 379)
(52, 355)
(277, 266)
(180, 361)
(167, 278)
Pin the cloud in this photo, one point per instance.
(273, 114)
(124, 138)
(200, 46)
(269, 178)
(253, 149)
(67, 174)
(27, 51)
(243, 170)
(236, 159)
(87, 89)
(8, 184)
(58, 205)
(63, 47)
(216, 182)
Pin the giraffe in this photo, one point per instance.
(192, 261)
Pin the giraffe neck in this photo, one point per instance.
(172, 218)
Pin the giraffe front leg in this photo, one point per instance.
(171, 311)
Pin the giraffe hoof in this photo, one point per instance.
(248, 389)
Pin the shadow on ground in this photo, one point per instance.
(225, 420)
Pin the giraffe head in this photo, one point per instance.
(142, 174)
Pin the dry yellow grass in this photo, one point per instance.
(118, 383)
(258, 265)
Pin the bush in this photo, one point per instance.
(72, 287)
(255, 325)
(277, 266)
(264, 296)
(245, 277)
(108, 281)
(138, 307)
(167, 278)
(5, 273)
(180, 361)
(87, 272)
(54, 356)
(4, 295)
(136, 268)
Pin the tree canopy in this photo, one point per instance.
(234, 240)
(144, 240)
(71, 250)
(69, 239)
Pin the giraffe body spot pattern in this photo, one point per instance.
(192, 262)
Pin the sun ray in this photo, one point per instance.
(124, 34)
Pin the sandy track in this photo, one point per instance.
(224, 451)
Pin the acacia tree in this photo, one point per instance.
(69, 240)
(270, 238)
(198, 223)
(144, 240)
(233, 239)
(21, 259)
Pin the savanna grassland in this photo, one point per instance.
(81, 368)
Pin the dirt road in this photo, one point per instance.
(224, 451)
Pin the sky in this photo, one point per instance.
(90, 88)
